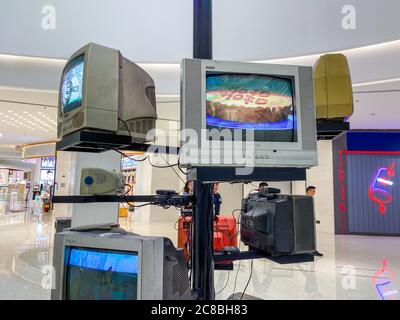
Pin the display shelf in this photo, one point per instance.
(103, 198)
(329, 129)
(229, 174)
(100, 141)
(248, 255)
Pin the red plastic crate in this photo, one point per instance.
(225, 233)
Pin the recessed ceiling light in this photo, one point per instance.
(9, 111)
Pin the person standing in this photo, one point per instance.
(310, 191)
(187, 191)
(263, 186)
(217, 199)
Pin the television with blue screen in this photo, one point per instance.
(93, 274)
(260, 103)
(109, 263)
(100, 90)
(71, 86)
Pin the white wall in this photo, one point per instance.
(149, 180)
(69, 166)
(63, 180)
(376, 109)
(322, 178)
(231, 195)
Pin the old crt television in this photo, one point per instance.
(102, 90)
(266, 110)
(277, 224)
(104, 265)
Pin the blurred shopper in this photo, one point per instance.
(263, 186)
(217, 199)
(187, 191)
(310, 191)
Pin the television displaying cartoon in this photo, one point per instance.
(259, 103)
(71, 87)
(94, 274)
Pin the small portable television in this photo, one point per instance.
(101, 90)
(264, 112)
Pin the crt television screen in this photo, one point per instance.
(262, 104)
(71, 87)
(94, 274)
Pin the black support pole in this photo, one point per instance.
(202, 29)
(203, 216)
(202, 243)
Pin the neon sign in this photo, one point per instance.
(341, 178)
(378, 190)
(383, 281)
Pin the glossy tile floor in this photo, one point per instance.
(346, 271)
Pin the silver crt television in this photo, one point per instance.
(266, 111)
(107, 265)
(102, 90)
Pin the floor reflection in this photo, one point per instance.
(352, 266)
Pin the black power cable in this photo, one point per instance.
(237, 273)
(126, 126)
(226, 283)
(248, 281)
(148, 159)
(172, 167)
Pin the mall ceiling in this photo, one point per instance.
(161, 31)
(22, 123)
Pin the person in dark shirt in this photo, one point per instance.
(217, 199)
(310, 191)
(263, 186)
(187, 191)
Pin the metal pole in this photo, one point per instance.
(202, 29)
(203, 216)
(202, 242)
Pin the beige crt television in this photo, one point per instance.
(102, 90)
(254, 114)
